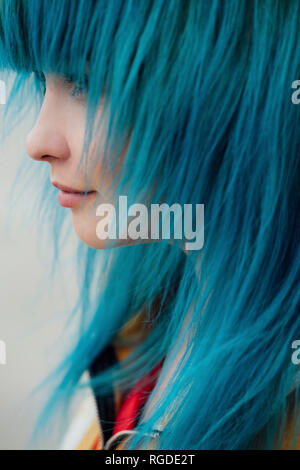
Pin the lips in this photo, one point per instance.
(70, 197)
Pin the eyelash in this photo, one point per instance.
(77, 90)
(40, 77)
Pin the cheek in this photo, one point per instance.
(101, 173)
(99, 170)
(75, 125)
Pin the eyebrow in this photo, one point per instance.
(65, 77)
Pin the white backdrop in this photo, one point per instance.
(32, 313)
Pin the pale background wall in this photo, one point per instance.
(32, 314)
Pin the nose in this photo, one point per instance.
(46, 141)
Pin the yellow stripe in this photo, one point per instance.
(90, 437)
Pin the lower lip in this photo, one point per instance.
(67, 199)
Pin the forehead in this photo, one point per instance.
(53, 37)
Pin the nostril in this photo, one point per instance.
(47, 158)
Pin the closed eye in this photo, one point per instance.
(75, 87)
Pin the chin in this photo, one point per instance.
(85, 228)
(92, 243)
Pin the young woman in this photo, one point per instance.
(175, 102)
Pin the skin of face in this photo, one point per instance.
(57, 138)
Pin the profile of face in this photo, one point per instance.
(57, 138)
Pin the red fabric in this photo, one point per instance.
(135, 400)
(96, 444)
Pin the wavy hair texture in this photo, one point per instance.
(203, 89)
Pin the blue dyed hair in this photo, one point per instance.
(203, 88)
